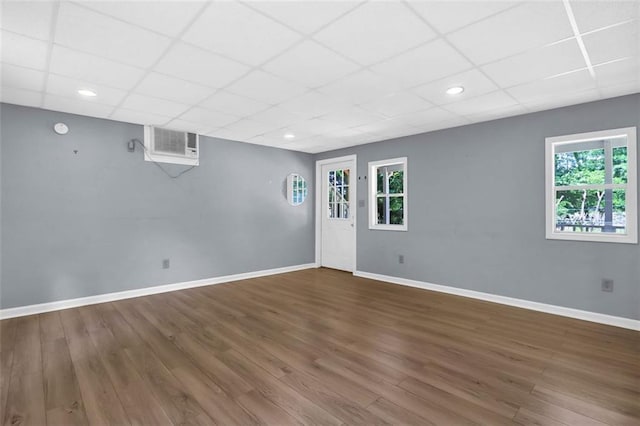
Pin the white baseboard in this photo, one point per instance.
(520, 303)
(128, 294)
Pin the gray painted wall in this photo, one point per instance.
(102, 220)
(457, 236)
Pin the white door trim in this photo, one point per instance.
(354, 206)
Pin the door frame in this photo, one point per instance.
(353, 206)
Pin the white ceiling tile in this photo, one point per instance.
(310, 64)
(613, 43)
(29, 18)
(388, 128)
(139, 117)
(276, 138)
(615, 73)
(178, 85)
(241, 106)
(21, 78)
(236, 31)
(11, 95)
(591, 15)
(71, 63)
(447, 16)
(426, 63)
(428, 118)
(158, 106)
(360, 87)
(536, 64)
(497, 113)
(23, 51)
(307, 16)
(550, 102)
(352, 116)
(246, 128)
(530, 25)
(553, 88)
(312, 104)
(375, 31)
(200, 66)
(314, 126)
(276, 116)
(397, 104)
(266, 88)
(208, 117)
(444, 124)
(74, 106)
(173, 89)
(165, 17)
(474, 82)
(620, 89)
(68, 87)
(487, 102)
(187, 126)
(98, 34)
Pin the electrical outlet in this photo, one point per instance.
(401, 258)
(166, 264)
(607, 285)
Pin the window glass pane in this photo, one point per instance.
(332, 194)
(345, 175)
(345, 192)
(396, 210)
(338, 177)
(619, 221)
(332, 177)
(620, 165)
(593, 211)
(580, 167)
(396, 182)
(381, 211)
(332, 210)
(345, 210)
(380, 176)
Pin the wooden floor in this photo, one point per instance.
(315, 347)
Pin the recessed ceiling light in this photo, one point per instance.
(289, 136)
(87, 92)
(455, 90)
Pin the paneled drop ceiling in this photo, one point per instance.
(331, 73)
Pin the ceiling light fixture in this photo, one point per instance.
(87, 92)
(289, 136)
(455, 90)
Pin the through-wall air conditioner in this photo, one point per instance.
(170, 146)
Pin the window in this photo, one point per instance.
(591, 186)
(388, 194)
(339, 194)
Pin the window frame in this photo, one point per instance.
(631, 189)
(373, 195)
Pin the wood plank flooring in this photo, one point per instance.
(314, 347)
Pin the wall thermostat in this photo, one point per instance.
(61, 128)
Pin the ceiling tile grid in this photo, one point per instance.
(333, 74)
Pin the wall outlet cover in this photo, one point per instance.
(607, 285)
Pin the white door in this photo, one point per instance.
(338, 215)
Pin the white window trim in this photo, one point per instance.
(631, 237)
(373, 192)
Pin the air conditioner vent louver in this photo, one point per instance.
(170, 146)
(168, 141)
